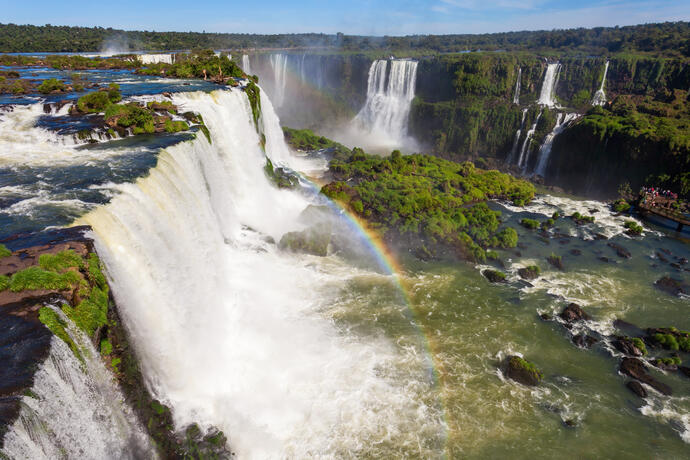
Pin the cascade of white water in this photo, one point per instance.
(230, 331)
(522, 161)
(545, 149)
(546, 96)
(246, 65)
(279, 66)
(157, 58)
(516, 96)
(600, 96)
(513, 151)
(389, 96)
(75, 410)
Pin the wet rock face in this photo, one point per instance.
(627, 346)
(528, 273)
(574, 312)
(620, 250)
(494, 276)
(671, 286)
(584, 340)
(637, 388)
(522, 371)
(634, 368)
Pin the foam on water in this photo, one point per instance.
(76, 410)
(241, 340)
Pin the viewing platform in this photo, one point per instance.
(660, 206)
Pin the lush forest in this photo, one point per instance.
(668, 39)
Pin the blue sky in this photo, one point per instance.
(367, 17)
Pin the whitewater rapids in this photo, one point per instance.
(232, 332)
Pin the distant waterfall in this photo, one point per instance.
(600, 96)
(545, 149)
(513, 151)
(157, 58)
(516, 96)
(279, 64)
(389, 97)
(75, 410)
(546, 97)
(246, 65)
(522, 161)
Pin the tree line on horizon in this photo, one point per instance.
(671, 39)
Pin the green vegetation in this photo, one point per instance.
(200, 63)
(621, 205)
(672, 361)
(633, 228)
(175, 126)
(529, 223)
(639, 344)
(52, 85)
(581, 219)
(555, 215)
(548, 223)
(494, 276)
(254, 96)
(4, 252)
(61, 261)
(306, 140)
(106, 347)
(4, 282)
(131, 116)
(33, 278)
(527, 366)
(57, 326)
(281, 177)
(670, 38)
(99, 101)
(427, 203)
(555, 260)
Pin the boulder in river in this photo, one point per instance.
(494, 276)
(620, 250)
(522, 371)
(584, 340)
(637, 388)
(314, 240)
(630, 346)
(529, 273)
(574, 312)
(634, 368)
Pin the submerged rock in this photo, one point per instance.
(620, 250)
(522, 371)
(670, 285)
(634, 368)
(584, 340)
(314, 240)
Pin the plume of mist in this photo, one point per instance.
(116, 44)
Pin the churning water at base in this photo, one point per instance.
(232, 332)
(75, 410)
(383, 120)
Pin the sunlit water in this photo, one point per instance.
(299, 356)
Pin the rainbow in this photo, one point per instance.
(389, 264)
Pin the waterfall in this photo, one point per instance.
(600, 96)
(522, 161)
(157, 58)
(389, 96)
(246, 65)
(75, 410)
(513, 150)
(279, 66)
(545, 149)
(230, 330)
(546, 97)
(516, 96)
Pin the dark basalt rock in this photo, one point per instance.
(522, 371)
(604, 259)
(637, 388)
(664, 366)
(576, 252)
(546, 317)
(574, 312)
(528, 273)
(661, 258)
(626, 346)
(634, 368)
(494, 276)
(627, 328)
(584, 340)
(600, 236)
(670, 285)
(620, 250)
(684, 370)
